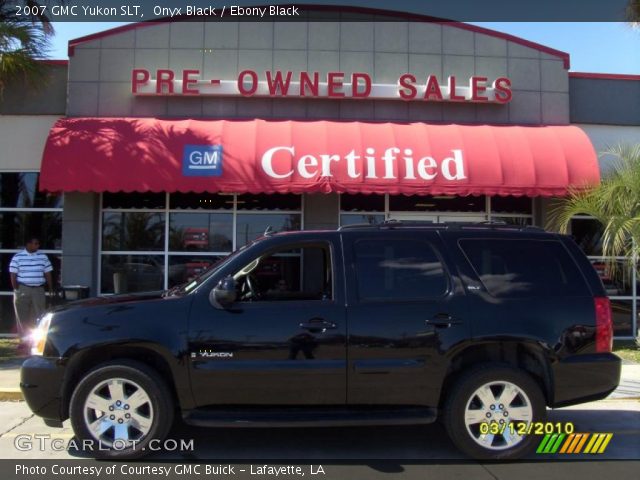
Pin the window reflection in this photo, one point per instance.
(622, 311)
(616, 277)
(201, 232)
(350, 219)
(20, 190)
(132, 273)
(251, 226)
(132, 231)
(16, 226)
(587, 232)
(184, 268)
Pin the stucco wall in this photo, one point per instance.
(22, 140)
(100, 70)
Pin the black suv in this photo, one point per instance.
(475, 324)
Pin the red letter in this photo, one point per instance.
(477, 89)
(137, 80)
(277, 83)
(186, 81)
(312, 85)
(354, 85)
(164, 77)
(432, 88)
(247, 92)
(334, 81)
(452, 90)
(502, 88)
(406, 81)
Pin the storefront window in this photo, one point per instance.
(16, 226)
(132, 231)
(25, 211)
(622, 311)
(141, 201)
(175, 237)
(274, 201)
(210, 232)
(437, 203)
(355, 219)
(184, 268)
(201, 201)
(251, 226)
(20, 190)
(617, 277)
(509, 204)
(132, 273)
(587, 232)
(517, 221)
(361, 203)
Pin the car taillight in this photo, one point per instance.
(604, 324)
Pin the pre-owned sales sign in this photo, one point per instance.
(336, 85)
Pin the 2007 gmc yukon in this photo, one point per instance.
(478, 325)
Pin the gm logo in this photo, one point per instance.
(202, 160)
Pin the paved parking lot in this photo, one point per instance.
(365, 452)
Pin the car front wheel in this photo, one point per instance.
(118, 408)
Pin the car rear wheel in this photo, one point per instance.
(118, 408)
(487, 408)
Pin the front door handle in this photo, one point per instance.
(318, 325)
(442, 320)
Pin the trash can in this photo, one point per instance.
(75, 292)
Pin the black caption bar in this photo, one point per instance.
(352, 10)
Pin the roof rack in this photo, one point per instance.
(395, 224)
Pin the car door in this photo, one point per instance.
(283, 342)
(406, 310)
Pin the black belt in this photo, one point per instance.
(31, 286)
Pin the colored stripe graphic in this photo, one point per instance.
(550, 443)
(574, 443)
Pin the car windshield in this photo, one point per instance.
(189, 286)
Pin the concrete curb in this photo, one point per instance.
(11, 395)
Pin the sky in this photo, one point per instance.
(602, 47)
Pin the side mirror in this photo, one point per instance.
(224, 294)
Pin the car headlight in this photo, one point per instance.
(39, 334)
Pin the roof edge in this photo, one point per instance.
(349, 9)
(604, 76)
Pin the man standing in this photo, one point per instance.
(29, 270)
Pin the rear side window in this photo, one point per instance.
(524, 268)
(397, 269)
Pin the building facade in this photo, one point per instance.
(120, 212)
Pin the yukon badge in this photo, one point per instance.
(211, 354)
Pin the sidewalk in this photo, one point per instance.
(629, 387)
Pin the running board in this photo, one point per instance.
(311, 417)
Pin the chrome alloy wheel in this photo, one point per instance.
(501, 403)
(119, 410)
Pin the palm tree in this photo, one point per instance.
(22, 43)
(633, 12)
(615, 204)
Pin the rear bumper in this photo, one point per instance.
(584, 378)
(41, 381)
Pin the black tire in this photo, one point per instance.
(149, 380)
(462, 394)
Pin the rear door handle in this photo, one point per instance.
(442, 320)
(317, 325)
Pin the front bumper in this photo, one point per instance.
(41, 382)
(585, 378)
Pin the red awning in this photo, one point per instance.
(259, 156)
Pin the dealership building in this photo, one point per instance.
(160, 147)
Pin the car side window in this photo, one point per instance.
(288, 274)
(524, 268)
(398, 269)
